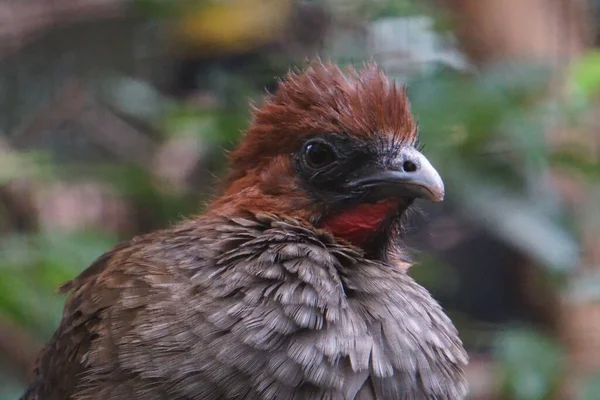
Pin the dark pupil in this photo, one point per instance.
(318, 155)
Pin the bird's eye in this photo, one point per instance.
(318, 155)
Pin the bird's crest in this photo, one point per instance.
(326, 99)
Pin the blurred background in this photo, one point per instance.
(115, 116)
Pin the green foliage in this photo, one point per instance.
(592, 387)
(9, 390)
(159, 9)
(220, 127)
(487, 134)
(584, 76)
(390, 8)
(532, 364)
(577, 161)
(34, 266)
(432, 273)
(24, 165)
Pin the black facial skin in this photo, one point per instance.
(328, 163)
(350, 158)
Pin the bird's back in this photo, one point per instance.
(248, 308)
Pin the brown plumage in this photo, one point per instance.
(288, 287)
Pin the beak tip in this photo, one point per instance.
(433, 189)
(437, 196)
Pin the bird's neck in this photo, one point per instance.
(360, 224)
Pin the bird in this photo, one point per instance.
(292, 284)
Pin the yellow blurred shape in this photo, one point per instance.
(232, 25)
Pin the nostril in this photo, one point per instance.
(409, 166)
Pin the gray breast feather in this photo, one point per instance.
(264, 308)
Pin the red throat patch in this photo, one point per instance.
(358, 224)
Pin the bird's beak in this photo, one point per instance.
(411, 175)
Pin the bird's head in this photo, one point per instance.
(336, 149)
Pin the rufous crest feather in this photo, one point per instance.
(325, 99)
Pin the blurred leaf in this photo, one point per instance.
(584, 76)
(434, 275)
(73, 252)
(215, 126)
(35, 266)
(517, 220)
(135, 98)
(533, 364)
(487, 134)
(484, 108)
(26, 165)
(592, 387)
(583, 289)
(576, 160)
(376, 9)
(10, 390)
(157, 9)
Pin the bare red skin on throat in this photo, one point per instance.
(358, 224)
